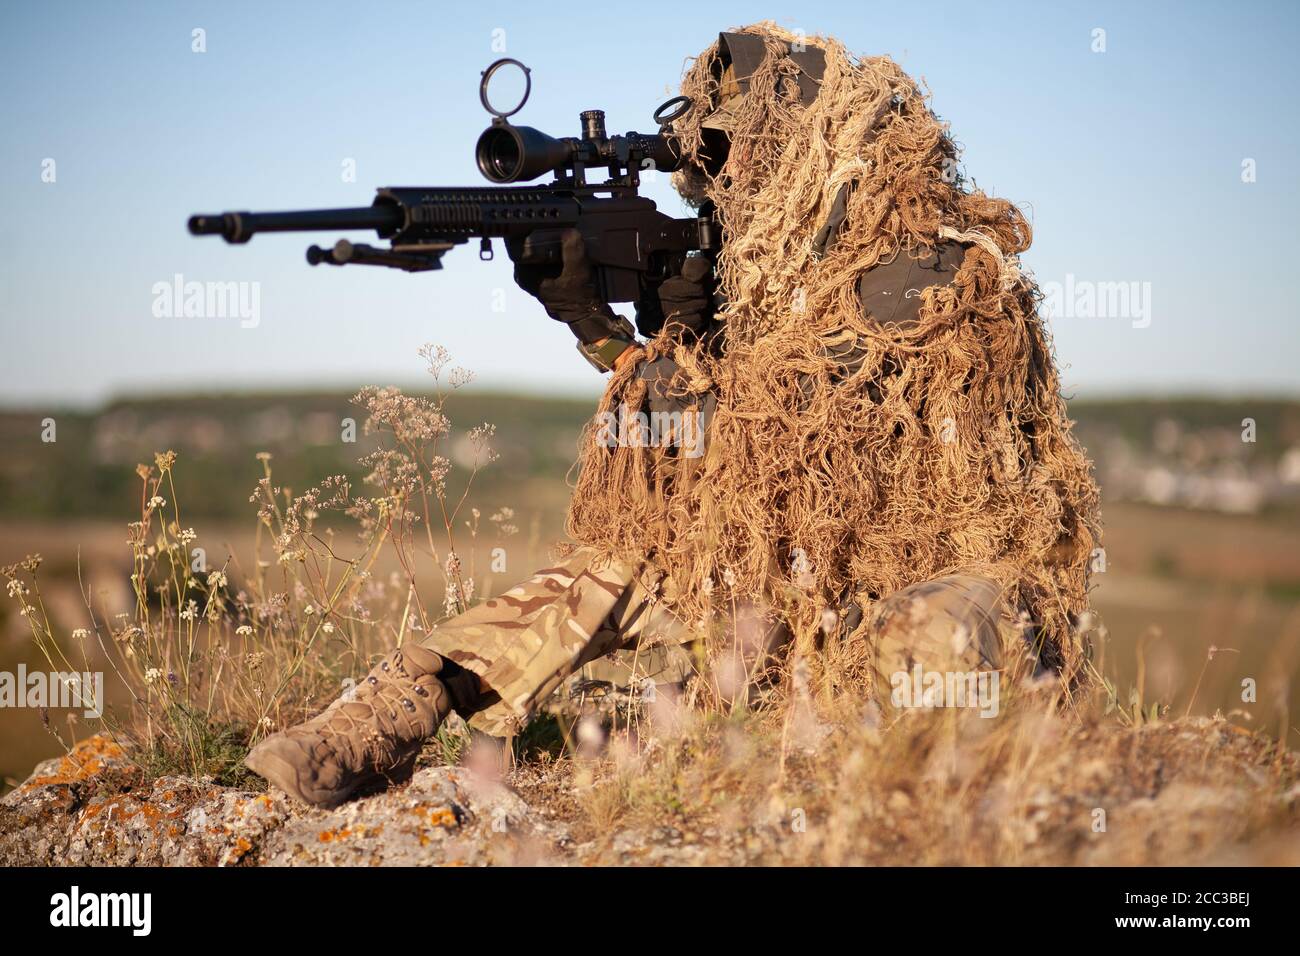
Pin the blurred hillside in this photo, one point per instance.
(1237, 457)
(88, 471)
(1192, 453)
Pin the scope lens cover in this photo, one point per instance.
(510, 82)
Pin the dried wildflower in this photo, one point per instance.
(479, 437)
(152, 674)
(157, 501)
(80, 634)
(243, 630)
(503, 520)
(412, 419)
(217, 579)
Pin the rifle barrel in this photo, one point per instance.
(385, 219)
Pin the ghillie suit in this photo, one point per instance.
(890, 480)
(849, 458)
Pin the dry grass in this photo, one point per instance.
(1034, 786)
(214, 657)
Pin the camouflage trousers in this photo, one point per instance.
(598, 616)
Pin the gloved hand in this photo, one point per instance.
(569, 295)
(688, 414)
(685, 299)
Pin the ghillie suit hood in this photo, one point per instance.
(942, 446)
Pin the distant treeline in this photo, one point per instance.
(88, 470)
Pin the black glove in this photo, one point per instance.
(685, 299)
(569, 294)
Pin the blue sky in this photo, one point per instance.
(1128, 161)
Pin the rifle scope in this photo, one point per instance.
(506, 153)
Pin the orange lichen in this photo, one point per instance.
(329, 836)
(82, 762)
(122, 809)
(442, 816)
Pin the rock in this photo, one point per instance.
(78, 811)
(1190, 792)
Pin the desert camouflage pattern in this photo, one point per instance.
(958, 623)
(558, 624)
(595, 619)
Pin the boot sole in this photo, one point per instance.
(278, 771)
(281, 773)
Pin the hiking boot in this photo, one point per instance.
(368, 734)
